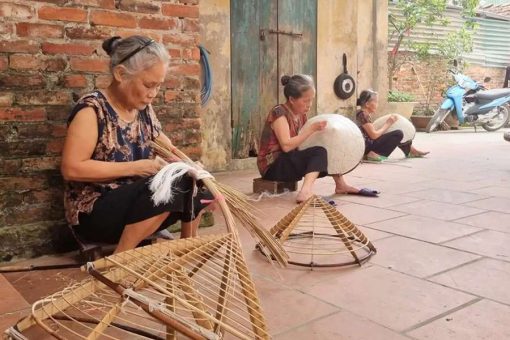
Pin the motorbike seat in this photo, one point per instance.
(492, 94)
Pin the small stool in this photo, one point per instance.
(273, 187)
(91, 251)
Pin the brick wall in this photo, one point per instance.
(414, 77)
(50, 53)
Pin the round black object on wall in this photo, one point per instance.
(344, 84)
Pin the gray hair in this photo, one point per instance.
(296, 85)
(136, 52)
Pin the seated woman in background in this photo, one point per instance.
(108, 161)
(279, 159)
(379, 144)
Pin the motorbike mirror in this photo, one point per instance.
(455, 62)
(487, 79)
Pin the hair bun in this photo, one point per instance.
(358, 102)
(110, 44)
(285, 80)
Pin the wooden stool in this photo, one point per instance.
(273, 187)
(91, 251)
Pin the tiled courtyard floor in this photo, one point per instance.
(442, 271)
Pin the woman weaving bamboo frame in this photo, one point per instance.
(108, 161)
(279, 158)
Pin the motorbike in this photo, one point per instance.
(471, 102)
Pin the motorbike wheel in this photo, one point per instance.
(438, 117)
(499, 123)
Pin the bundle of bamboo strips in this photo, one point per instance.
(233, 203)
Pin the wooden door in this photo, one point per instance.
(269, 38)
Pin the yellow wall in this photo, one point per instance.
(216, 130)
(345, 26)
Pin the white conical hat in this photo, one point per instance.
(402, 124)
(341, 138)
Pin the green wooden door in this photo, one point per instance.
(269, 38)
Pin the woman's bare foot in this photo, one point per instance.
(417, 153)
(372, 154)
(346, 189)
(303, 196)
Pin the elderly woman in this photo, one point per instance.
(107, 160)
(379, 144)
(279, 159)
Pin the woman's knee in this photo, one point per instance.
(318, 151)
(397, 134)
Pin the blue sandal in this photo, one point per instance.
(366, 192)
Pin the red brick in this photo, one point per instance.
(179, 39)
(21, 183)
(180, 11)
(191, 25)
(172, 83)
(68, 49)
(43, 97)
(24, 29)
(91, 33)
(174, 52)
(191, 54)
(6, 98)
(39, 164)
(140, 6)
(158, 24)
(8, 167)
(9, 10)
(55, 146)
(58, 130)
(6, 29)
(25, 61)
(17, 114)
(55, 2)
(21, 81)
(19, 46)
(55, 65)
(4, 63)
(107, 18)
(75, 81)
(89, 65)
(127, 33)
(103, 81)
(170, 96)
(23, 148)
(62, 14)
(194, 152)
(105, 4)
(57, 112)
(185, 69)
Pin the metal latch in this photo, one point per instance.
(262, 33)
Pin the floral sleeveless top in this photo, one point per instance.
(270, 148)
(118, 141)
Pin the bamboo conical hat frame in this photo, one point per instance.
(316, 234)
(232, 203)
(198, 287)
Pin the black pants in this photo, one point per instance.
(294, 165)
(388, 142)
(132, 203)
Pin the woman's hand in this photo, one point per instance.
(319, 126)
(148, 167)
(391, 120)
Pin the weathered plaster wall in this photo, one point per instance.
(372, 47)
(336, 34)
(359, 29)
(216, 130)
